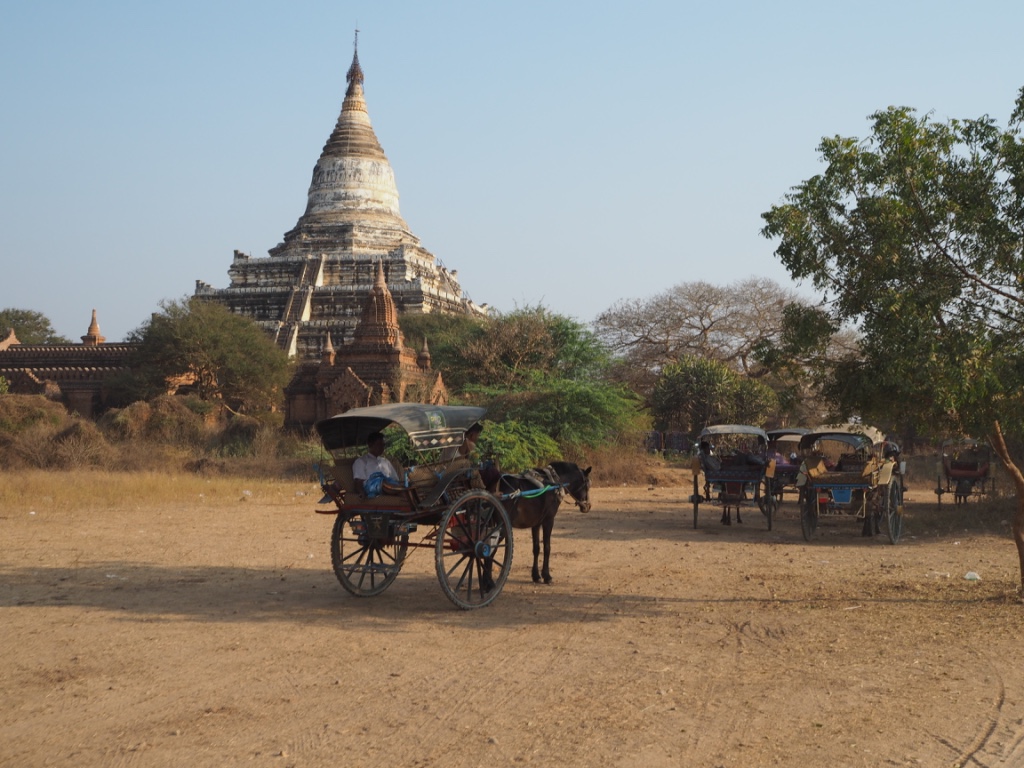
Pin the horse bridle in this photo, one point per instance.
(584, 506)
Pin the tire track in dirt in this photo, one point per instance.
(999, 743)
(973, 753)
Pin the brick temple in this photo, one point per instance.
(313, 285)
(74, 374)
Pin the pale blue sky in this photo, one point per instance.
(563, 153)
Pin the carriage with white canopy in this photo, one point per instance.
(737, 471)
(851, 471)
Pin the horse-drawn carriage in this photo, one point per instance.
(467, 527)
(733, 460)
(965, 469)
(851, 471)
(784, 448)
(462, 514)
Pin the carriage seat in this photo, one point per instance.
(852, 462)
(341, 474)
(709, 462)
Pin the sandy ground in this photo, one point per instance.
(214, 633)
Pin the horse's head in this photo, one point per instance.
(490, 474)
(577, 483)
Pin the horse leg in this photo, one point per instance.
(536, 553)
(726, 516)
(549, 524)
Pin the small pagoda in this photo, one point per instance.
(374, 369)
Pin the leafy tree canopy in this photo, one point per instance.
(210, 351)
(506, 351)
(575, 413)
(530, 367)
(697, 392)
(30, 327)
(916, 235)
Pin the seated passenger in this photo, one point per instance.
(372, 463)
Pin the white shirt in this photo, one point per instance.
(367, 464)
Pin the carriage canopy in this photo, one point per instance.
(428, 426)
(735, 429)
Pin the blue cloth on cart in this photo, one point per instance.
(374, 485)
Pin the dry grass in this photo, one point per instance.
(102, 489)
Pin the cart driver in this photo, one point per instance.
(372, 463)
(468, 444)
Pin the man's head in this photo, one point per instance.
(375, 443)
(473, 433)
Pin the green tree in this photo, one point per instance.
(576, 413)
(531, 366)
(30, 327)
(209, 351)
(697, 392)
(915, 235)
(447, 336)
(5, 387)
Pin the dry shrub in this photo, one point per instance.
(80, 445)
(238, 437)
(20, 412)
(626, 465)
(172, 422)
(29, 447)
(129, 423)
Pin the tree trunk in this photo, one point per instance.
(999, 444)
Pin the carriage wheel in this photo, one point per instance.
(892, 510)
(364, 566)
(473, 553)
(808, 513)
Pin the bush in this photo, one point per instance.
(19, 412)
(80, 445)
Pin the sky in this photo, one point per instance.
(564, 154)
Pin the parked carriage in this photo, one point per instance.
(851, 471)
(965, 469)
(467, 528)
(784, 447)
(737, 471)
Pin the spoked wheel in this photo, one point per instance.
(892, 510)
(473, 552)
(808, 513)
(364, 561)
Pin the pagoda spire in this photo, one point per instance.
(353, 181)
(329, 354)
(378, 325)
(354, 76)
(92, 336)
(423, 360)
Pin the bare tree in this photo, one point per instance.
(723, 323)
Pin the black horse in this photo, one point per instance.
(532, 500)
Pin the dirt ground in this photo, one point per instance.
(212, 632)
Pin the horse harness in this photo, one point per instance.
(542, 479)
